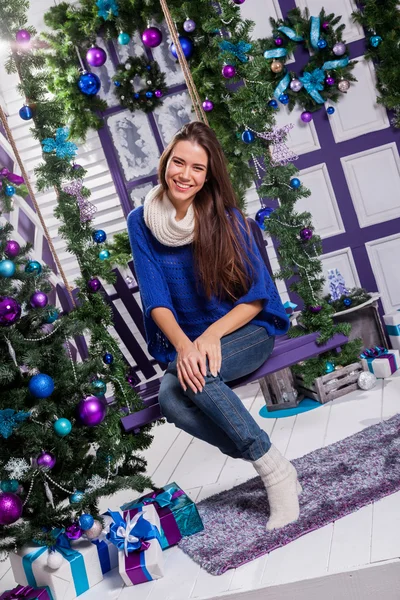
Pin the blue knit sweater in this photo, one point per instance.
(166, 277)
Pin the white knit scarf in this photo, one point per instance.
(159, 216)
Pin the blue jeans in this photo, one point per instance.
(216, 414)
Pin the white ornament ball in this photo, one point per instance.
(366, 380)
(94, 531)
(54, 560)
(127, 66)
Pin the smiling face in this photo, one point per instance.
(185, 174)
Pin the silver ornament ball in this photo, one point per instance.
(366, 380)
(343, 85)
(54, 560)
(295, 85)
(94, 531)
(127, 66)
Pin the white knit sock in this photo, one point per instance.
(280, 479)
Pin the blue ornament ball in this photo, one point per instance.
(26, 113)
(108, 358)
(248, 136)
(62, 427)
(322, 44)
(9, 190)
(86, 521)
(136, 96)
(347, 301)
(375, 41)
(41, 385)
(104, 254)
(124, 39)
(330, 110)
(149, 94)
(295, 183)
(117, 83)
(273, 103)
(34, 267)
(52, 316)
(329, 367)
(148, 67)
(284, 99)
(99, 236)
(76, 497)
(98, 387)
(264, 213)
(9, 485)
(187, 47)
(89, 84)
(7, 268)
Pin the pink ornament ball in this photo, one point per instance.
(306, 116)
(228, 71)
(10, 508)
(46, 460)
(91, 411)
(23, 36)
(39, 300)
(152, 37)
(208, 105)
(96, 57)
(12, 249)
(158, 94)
(330, 81)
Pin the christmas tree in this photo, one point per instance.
(61, 443)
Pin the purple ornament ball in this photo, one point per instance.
(330, 81)
(39, 300)
(189, 25)
(23, 36)
(339, 49)
(152, 37)
(306, 234)
(325, 25)
(96, 57)
(228, 71)
(295, 85)
(12, 249)
(158, 94)
(315, 309)
(306, 116)
(46, 460)
(75, 166)
(94, 284)
(91, 411)
(10, 311)
(278, 41)
(208, 105)
(73, 532)
(10, 508)
(238, 1)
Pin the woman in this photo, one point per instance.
(210, 307)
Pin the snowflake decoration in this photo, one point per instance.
(63, 148)
(17, 468)
(107, 9)
(95, 483)
(9, 420)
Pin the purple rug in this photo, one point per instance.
(337, 480)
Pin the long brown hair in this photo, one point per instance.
(220, 250)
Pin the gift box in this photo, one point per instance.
(383, 365)
(108, 553)
(27, 592)
(79, 571)
(140, 556)
(392, 323)
(178, 513)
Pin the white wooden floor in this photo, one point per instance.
(355, 557)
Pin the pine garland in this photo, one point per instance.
(129, 94)
(381, 19)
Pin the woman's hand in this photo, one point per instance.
(191, 367)
(209, 345)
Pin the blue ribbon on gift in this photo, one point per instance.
(74, 558)
(291, 34)
(128, 538)
(314, 31)
(393, 329)
(104, 556)
(163, 499)
(313, 83)
(239, 50)
(374, 352)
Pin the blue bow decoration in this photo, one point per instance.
(239, 50)
(314, 83)
(62, 147)
(131, 534)
(9, 420)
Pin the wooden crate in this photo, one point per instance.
(333, 385)
(279, 390)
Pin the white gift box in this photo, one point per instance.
(73, 578)
(383, 366)
(392, 323)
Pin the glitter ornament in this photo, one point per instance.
(343, 85)
(104, 254)
(273, 103)
(62, 427)
(10, 311)
(73, 532)
(91, 411)
(330, 80)
(322, 44)
(284, 99)
(7, 268)
(86, 521)
(23, 36)
(123, 39)
(276, 66)
(306, 234)
(295, 85)
(54, 560)
(76, 497)
(96, 57)
(89, 84)
(41, 385)
(189, 25)
(33, 267)
(99, 388)
(295, 183)
(306, 116)
(99, 236)
(94, 531)
(208, 105)
(108, 358)
(228, 71)
(38, 299)
(248, 136)
(366, 380)
(46, 460)
(12, 249)
(329, 367)
(339, 49)
(94, 284)
(262, 214)
(330, 110)
(152, 37)
(10, 508)
(26, 113)
(187, 47)
(375, 41)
